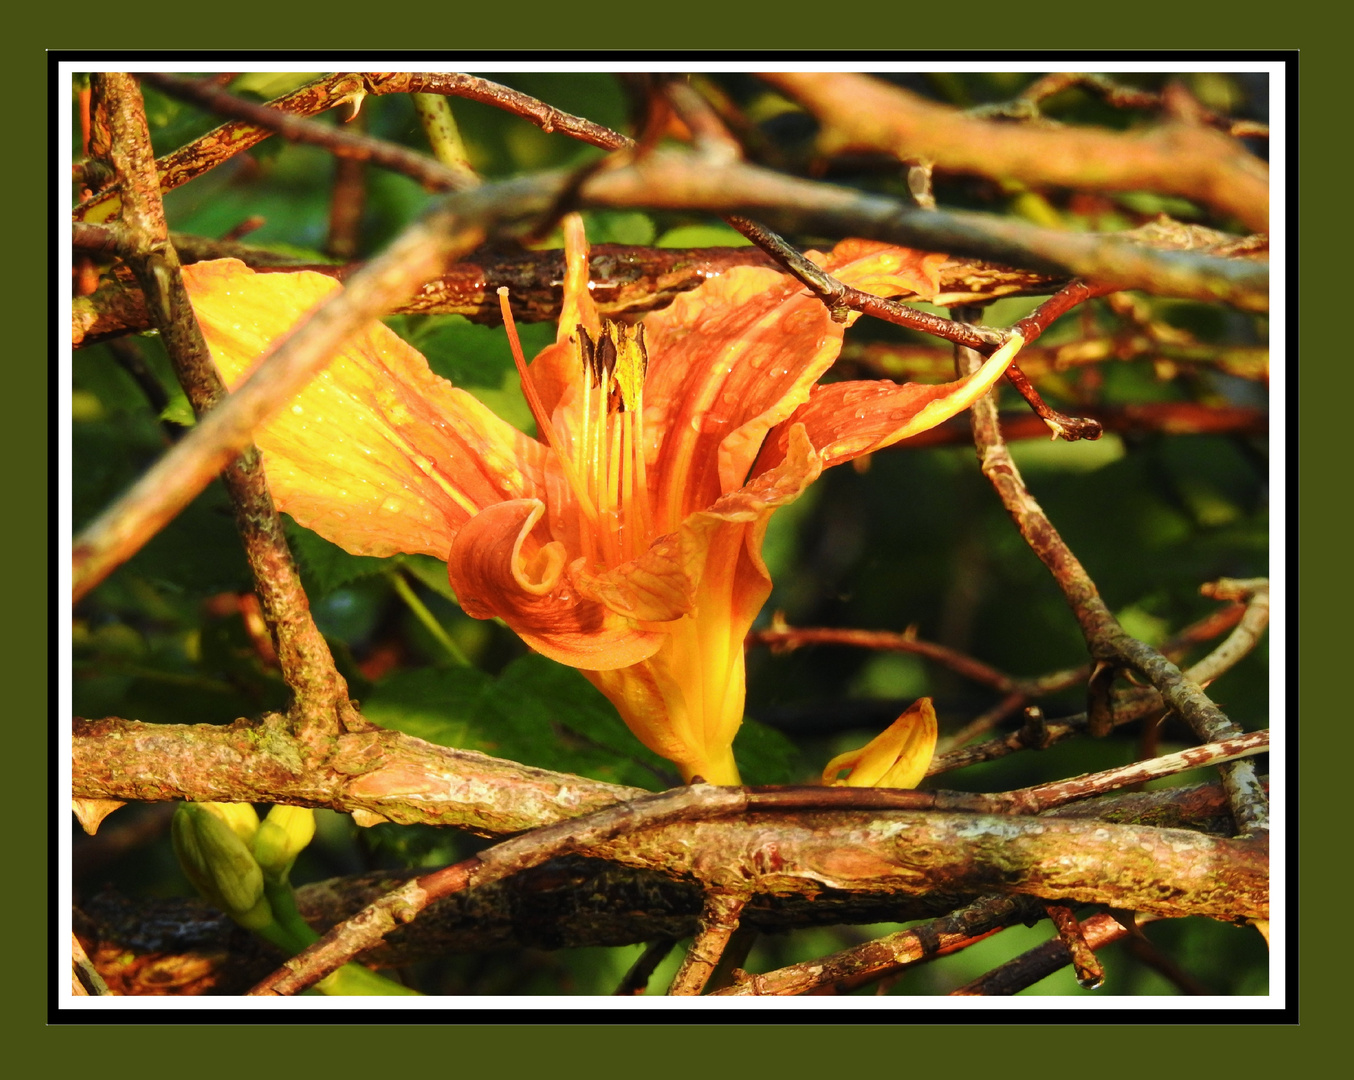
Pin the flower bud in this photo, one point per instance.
(898, 757)
(281, 837)
(242, 818)
(219, 863)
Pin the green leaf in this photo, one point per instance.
(438, 705)
(325, 566)
(430, 572)
(477, 358)
(618, 227)
(691, 236)
(535, 712)
(765, 756)
(179, 411)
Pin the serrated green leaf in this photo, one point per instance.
(325, 566)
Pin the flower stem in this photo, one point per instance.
(426, 617)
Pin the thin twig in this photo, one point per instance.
(1249, 630)
(782, 638)
(429, 172)
(1184, 159)
(1042, 961)
(1113, 93)
(886, 955)
(443, 134)
(222, 143)
(1105, 638)
(840, 297)
(1089, 971)
(718, 921)
(347, 200)
(636, 980)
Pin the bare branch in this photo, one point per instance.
(1104, 636)
(858, 112)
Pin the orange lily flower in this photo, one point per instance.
(625, 539)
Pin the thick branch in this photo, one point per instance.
(566, 903)
(626, 280)
(785, 849)
(1196, 162)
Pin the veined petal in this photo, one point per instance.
(686, 701)
(499, 568)
(848, 419)
(737, 356)
(377, 453)
(898, 757)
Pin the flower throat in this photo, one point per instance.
(601, 446)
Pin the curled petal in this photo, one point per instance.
(499, 569)
(896, 758)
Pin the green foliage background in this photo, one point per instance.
(917, 539)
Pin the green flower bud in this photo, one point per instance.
(219, 863)
(281, 837)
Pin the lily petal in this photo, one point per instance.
(896, 758)
(377, 453)
(736, 357)
(686, 702)
(499, 569)
(848, 419)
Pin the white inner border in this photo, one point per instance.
(1276, 999)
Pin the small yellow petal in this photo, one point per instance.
(896, 758)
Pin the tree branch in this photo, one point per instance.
(859, 112)
(321, 694)
(1106, 639)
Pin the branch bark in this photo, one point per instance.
(1190, 160)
